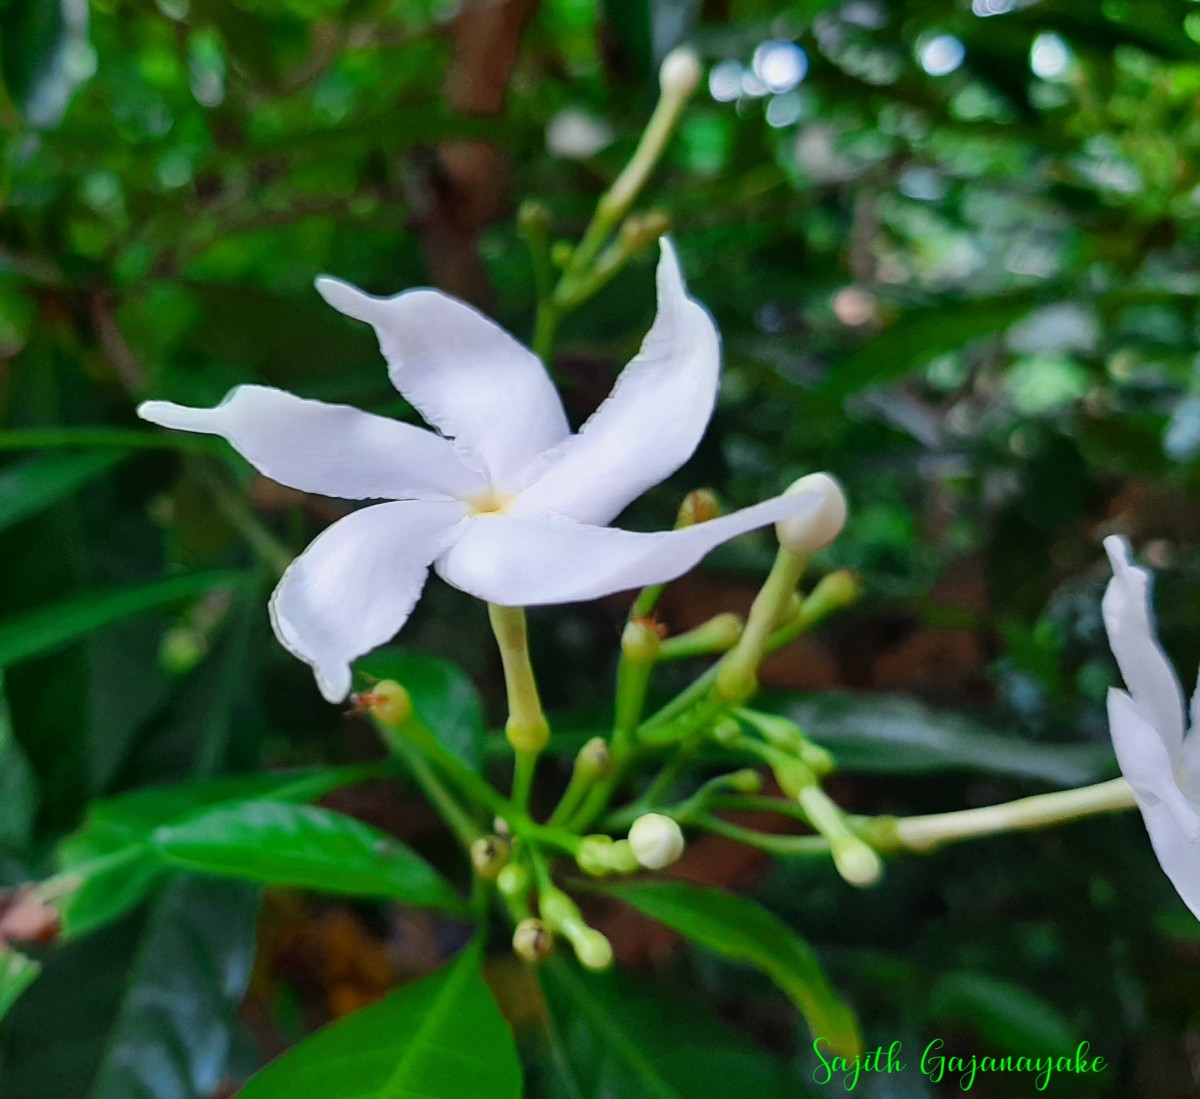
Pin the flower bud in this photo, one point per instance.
(818, 759)
(856, 862)
(719, 634)
(561, 252)
(832, 592)
(532, 940)
(592, 949)
(804, 534)
(640, 641)
(699, 506)
(533, 217)
(725, 731)
(387, 702)
(746, 781)
(489, 855)
(527, 736)
(592, 856)
(594, 761)
(656, 841)
(679, 73)
(639, 231)
(514, 880)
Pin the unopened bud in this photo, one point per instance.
(561, 252)
(532, 940)
(818, 759)
(831, 593)
(639, 231)
(746, 781)
(557, 909)
(725, 731)
(489, 855)
(856, 862)
(656, 841)
(514, 880)
(533, 217)
(699, 506)
(804, 534)
(594, 761)
(719, 634)
(679, 73)
(387, 702)
(592, 949)
(592, 856)
(640, 641)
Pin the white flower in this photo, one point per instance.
(506, 503)
(1159, 761)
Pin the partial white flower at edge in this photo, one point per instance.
(1159, 761)
(506, 503)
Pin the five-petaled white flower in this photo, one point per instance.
(506, 503)
(1158, 759)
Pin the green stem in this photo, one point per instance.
(526, 728)
(460, 822)
(1042, 810)
(776, 845)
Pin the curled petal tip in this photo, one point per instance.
(348, 299)
(1119, 555)
(177, 416)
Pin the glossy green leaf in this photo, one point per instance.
(611, 1037)
(443, 697)
(743, 931)
(892, 734)
(279, 843)
(1003, 1013)
(29, 486)
(17, 973)
(173, 1034)
(111, 863)
(440, 1038)
(48, 628)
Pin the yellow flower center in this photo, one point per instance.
(491, 502)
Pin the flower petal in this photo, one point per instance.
(468, 377)
(356, 585)
(647, 427)
(331, 449)
(525, 562)
(1173, 822)
(1144, 666)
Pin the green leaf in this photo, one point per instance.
(48, 628)
(301, 845)
(37, 483)
(921, 335)
(440, 1038)
(741, 930)
(893, 734)
(443, 697)
(174, 1030)
(18, 785)
(612, 1038)
(39, 50)
(1003, 1013)
(110, 864)
(17, 973)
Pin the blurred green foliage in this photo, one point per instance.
(953, 252)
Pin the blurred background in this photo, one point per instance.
(953, 249)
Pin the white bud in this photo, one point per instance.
(656, 841)
(804, 534)
(679, 73)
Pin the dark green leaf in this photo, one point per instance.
(173, 1034)
(443, 697)
(301, 845)
(39, 50)
(739, 929)
(440, 1038)
(921, 335)
(98, 891)
(892, 734)
(48, 628)
(612, 1038)
(31, 485)
(17, 973)
(18, 785)
(1004, 1014)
